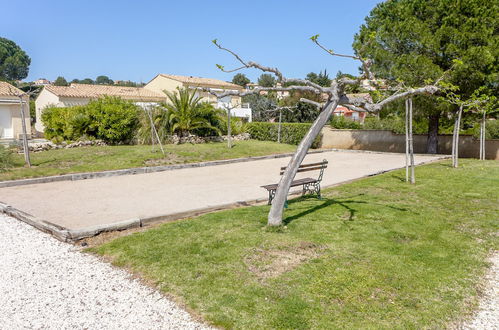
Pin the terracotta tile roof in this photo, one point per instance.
(202, 82)
(7, 89)
(96, 91)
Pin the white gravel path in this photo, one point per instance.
(47, 284)
(487, 316)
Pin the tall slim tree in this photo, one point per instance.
(414, 40)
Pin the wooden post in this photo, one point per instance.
(456, 142)
(229, 138)
(27, 158)
(411, 145)
(483, 131)
(407, 140)
(279, 127)
(153, 130)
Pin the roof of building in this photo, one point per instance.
(7, 89)
(96, 91)
(201, 82)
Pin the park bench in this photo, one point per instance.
(310, 185)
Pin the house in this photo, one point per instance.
(41, 82)
(81, 94)
(170, 83)
(10, 112)
(352, 114)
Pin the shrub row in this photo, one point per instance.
(110, 119)
(291, 133)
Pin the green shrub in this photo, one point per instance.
(341, 122)
(6, 158)
(291, 133)
(491, 130)
(113, 119)
(237, 126)
(394, 124)
(110, 119)
(66, 124)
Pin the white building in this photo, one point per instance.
(10, 112)
(170, 83)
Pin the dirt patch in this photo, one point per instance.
(270, 263)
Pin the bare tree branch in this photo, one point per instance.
(316, 104)
(258, 90)
(366, 63)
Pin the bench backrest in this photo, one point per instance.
(310, 167)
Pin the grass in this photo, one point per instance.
(89, 159)
(376, 253)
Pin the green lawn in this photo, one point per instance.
(89, 159)
(376, 253)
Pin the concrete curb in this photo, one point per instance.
(74, 235)
(153, 169)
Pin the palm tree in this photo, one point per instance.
(186, 112)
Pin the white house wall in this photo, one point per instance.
(44, 99)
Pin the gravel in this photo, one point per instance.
(487, 316)
(47, 284)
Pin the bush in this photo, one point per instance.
(110, 119)
(6, 159)
(291, 133)
(113, 119)
(394, 124)
(491, 130)
(237, 126)
(341, 122)
(66, 124)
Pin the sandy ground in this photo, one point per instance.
(86, 203)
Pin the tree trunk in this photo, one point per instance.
(276, 210)
(411, 144)
(456, 138)
(432, 142)
(407, 140)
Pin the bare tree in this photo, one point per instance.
(333, 96)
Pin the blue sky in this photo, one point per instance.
(137, 39)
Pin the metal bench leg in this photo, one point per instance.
(271, 196)
(318, 190)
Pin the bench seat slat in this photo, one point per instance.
(295, 183)
(306, 169)
(307, 165)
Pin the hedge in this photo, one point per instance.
(291, 133)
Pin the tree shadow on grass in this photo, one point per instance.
(346, 203)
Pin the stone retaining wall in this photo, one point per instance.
(387, 141)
